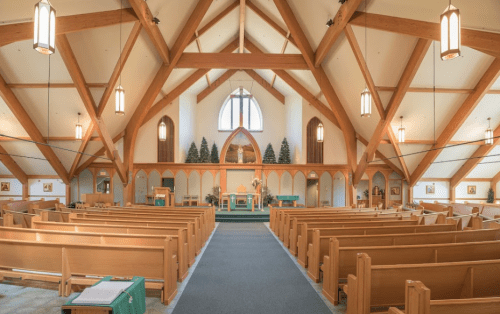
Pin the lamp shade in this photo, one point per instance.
(162, 132)
(488, 137)
(366, 103)
(120, 100)
(320, 132)
(450, 33)
(45, 28)
(401, 135)
(78, 131)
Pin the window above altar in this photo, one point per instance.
(240, 108)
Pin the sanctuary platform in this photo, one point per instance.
(242, 216)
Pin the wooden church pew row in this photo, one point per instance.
(436, 207)
(207, 223)
(179, 242)
(292, 228)
(201, 235)
(17, 219)
(197, 237)
(322, 246)
(305, 236)
(279, 214)
(209, 209)
(69, 262)
(52, 204)
(418, 301)
(383, 285)
(276, 214)
(37, 224)
(342, 261)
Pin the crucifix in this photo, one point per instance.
(244, 105)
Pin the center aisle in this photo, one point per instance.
(245, 270)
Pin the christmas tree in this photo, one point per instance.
(192, 156)
(204, 152)
(215, 154)
(284, 153)
(269, 156)
(491, 196)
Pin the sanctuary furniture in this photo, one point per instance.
(131, 301)
(92, 199)
(287, 198)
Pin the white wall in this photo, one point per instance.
(293, 122)
(481, 190)
(35, 189)
(273, 115)
(187, 125)
(16, 189)
(334, 150)
(442, 190)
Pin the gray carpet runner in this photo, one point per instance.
(245, 270)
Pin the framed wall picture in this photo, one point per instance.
(430, 189)
(471, 189)
(5, 186)
(395, 191)
(47, 187)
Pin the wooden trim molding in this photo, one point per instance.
(258, 156)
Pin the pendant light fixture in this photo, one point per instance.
(119, 91)
(78, 129)
(162, 131)
(320, 133)
(401, 132)
(366, 96)
(450, 33)
(488, 135)
(45, 28)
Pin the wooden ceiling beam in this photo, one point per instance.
(83, 146)
(54, 85)
(198, 44)
(484, 84)
(486, 42)
(438, 90)
(283, 49)
(241, 61)
(146, 17)
(343, 16)
(262, 82)
(76, 74)
(382, 157)
(242, 26)
(322, 80)
(233, 5)
(160, 78)
(52, 139)
(375, 96)
(96, 155)
(409, 73)
(218, 82)
(12, 166)
(29, 126)
(427, 142)
(270, 22)
(11, 33)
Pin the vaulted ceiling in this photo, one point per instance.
(467, 87)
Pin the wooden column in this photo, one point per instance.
(25, 191)
(452, 194)
(386, 190)
(68, 194)
(370, 177)
(410, 194)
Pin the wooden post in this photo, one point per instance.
(452, 194)
(68, 194)
(25, 191)
(363, 292)
(369, 191)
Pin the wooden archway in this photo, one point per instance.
(258, 156)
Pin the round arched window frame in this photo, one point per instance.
(229, 114)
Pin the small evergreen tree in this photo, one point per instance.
(284, 157)
(269, 156)
(204, 152)
(192, 156)
(215, 154)
(491, 196)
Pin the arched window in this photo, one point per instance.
(166, 148)
(240, 105)
(314, 148)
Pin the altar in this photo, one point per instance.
(240, 200)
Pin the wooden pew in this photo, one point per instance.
(68, 262)
(341, 261)
(99, 228)
(383, 285)
(305, 237)
(179, 241)
(418, 301)
(52, 204)
(293, 228)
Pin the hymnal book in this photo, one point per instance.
(104, 292)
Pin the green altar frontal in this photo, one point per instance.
(289, 198)
(120, 305)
